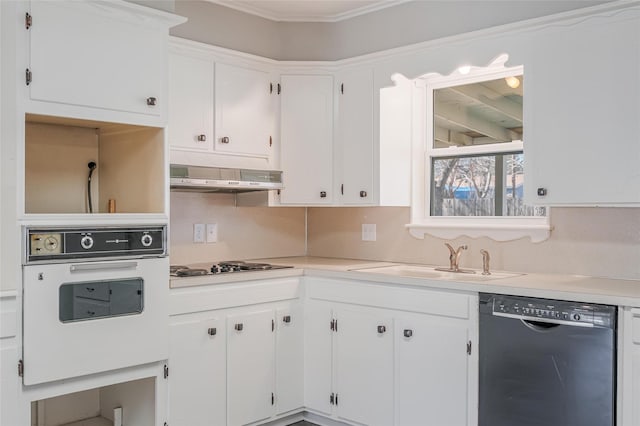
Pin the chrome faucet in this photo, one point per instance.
(485, 262)
(454, 257)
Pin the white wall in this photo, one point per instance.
(243, 232)
(601, 242)
(396, 26)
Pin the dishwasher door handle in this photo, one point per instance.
(544, 320)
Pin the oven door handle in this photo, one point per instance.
(107, 266)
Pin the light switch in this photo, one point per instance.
(212, 232)
(198, 232)
(368, 232)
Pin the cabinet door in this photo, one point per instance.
(190, 102)
(244, 111)
(88, 54)
(250, 367)
(289, 359)
(582, 99)
(432, 371)
(364, 367)
(198, 368)
(354, 142)
(306, 152)
(318, 349)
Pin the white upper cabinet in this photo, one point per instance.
(191, 102)
(222, 109)
(306, 130)
(354, 136)
(106, 58)
(583, 92)
(245, 116)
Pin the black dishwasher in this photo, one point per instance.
(546, 362)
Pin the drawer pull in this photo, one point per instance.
(286, 318)
(212, 331)
(382, 329)
(238, 327)
(408, 333)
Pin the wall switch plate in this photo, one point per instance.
(198, 232)
(212, 232)
(368, 232)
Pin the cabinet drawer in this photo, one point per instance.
(387, 296)
(94, 291)
(84, 309)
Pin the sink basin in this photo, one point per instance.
(429, 272)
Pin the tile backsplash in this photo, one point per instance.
(602, 242)
(243, 232)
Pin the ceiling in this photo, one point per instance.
(308, 10)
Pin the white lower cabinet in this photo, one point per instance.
(364, 366)
(379, 355)
(432, 370)
(197, 393)
(250, 366)
(236, 354)
(629, 374)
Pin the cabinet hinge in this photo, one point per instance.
(332, 398)
(270, 88)
(469, 347)
(20, 368)
(273, 325)
(342, 88)
(28, 20)
(28, 77)
(270, 140)
(273, 399)
(334, 325)
(336, 399)
(166, 371)
(279, 89)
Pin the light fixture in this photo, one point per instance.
(464, 69)
(512, 82)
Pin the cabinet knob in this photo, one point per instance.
(323, 194)
(212, 331)
(225, 139)
(382, 329)
(542, 192)
(363, 194)
(202, 138)
(408, 333)
(152, 101)
(239, 327)
(286, 318)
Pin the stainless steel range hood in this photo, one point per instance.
(217, 179)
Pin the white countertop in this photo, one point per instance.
(554, 286)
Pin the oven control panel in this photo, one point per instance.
(63, 244)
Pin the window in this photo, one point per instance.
(468, 156)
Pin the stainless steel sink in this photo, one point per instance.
(429, 272)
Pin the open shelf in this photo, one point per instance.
(130, 166)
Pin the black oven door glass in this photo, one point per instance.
(100, 299)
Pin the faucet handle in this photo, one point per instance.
(485, 262)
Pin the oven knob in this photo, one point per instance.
(146, 240)
(86, 242)
(576, 317)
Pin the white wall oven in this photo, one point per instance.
(94, 300)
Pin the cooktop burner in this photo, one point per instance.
(222, 268)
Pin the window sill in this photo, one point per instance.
(498, 229)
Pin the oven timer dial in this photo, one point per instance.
(86, 242)
(146, 240)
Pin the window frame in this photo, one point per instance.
(499, 228)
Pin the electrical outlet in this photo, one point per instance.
(368, 232)
(212, 232)
(198, 232)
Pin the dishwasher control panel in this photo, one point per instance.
(552, 311)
